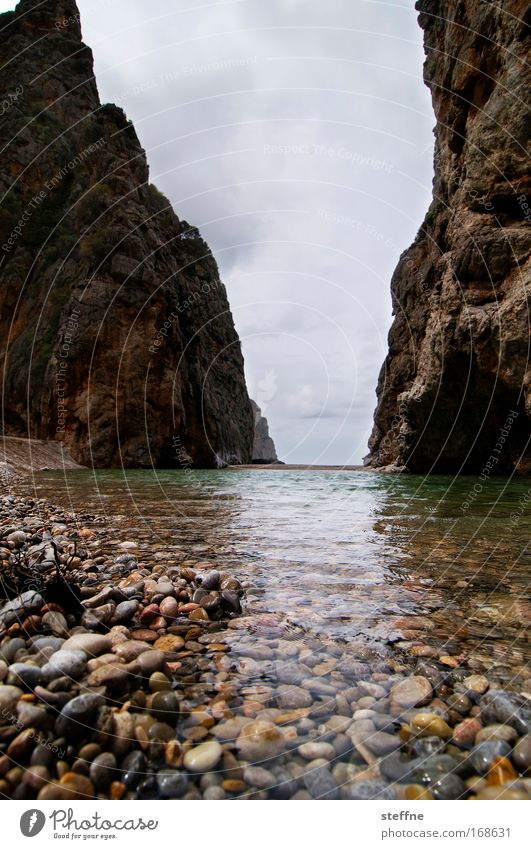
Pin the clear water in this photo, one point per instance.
(352, 557)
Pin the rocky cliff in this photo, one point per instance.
(264, 450)
(454, 393)
(117, 336)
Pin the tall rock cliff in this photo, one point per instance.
(116, 332)
(454, 393)
(264, 450)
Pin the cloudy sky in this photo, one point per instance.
(298, 136)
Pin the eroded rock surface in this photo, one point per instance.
(454, 392)
(117, 333)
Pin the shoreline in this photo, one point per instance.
(136, 685)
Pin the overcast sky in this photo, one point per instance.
(297, 135)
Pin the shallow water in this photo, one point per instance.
(384, 561)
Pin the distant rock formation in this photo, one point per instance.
(454, 394)
(117, 336)
(264, 450)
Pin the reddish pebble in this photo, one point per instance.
(465, 732)
(149, 613)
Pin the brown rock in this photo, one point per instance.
(455, 382)
(412, 692)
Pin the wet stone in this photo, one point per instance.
(381, 743)
(366, 790)
(103, 770)
(483, 756)
(413, 692)
(320, 784)
(497, 732)
(498, 707)
(522, 754)
(172, 784)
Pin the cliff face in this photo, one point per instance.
(454, 393)
(264, 450)
(117, 336)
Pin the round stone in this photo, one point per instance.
(68, 662)
(91, 644)
(150, 661)
(158, 682)
(75, 717)
(79, 786)
(103, 770)
(476, 683)
(410, 693)
(172, 784)
(381, 743)
(314, 750)
(522, 754)
(169, 608)
(259, 740)
(496, 732)
(482, 757)
(464, 734)
(430, 725)
(25, 675)
(367, 790)
(204, 757)
(9, 697)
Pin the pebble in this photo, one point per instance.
(367, 790)
(430, 725)
(103, 770)
(522, 754)
(294, 698)
(204, 757)
(312, 751)
(497, 732)
(465, 732)
(381, 743)
(22, 674)
(260, 740)
(75, 717)
(257, 776)
(413, 692)
(79, 786)
(476, 683)
(483, 756)
(498, 706)
(69, 662)
(9, 696)
(91, 644)
(172, 784)
(320, 784)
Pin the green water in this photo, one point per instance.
(391, 561)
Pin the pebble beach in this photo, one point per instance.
(129, 678)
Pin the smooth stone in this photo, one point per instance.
(123, 724)
(22, 745)
(425, 747)
(521, 755)
(464, 734)
(209, 580)
(381, 743)
(394, 767)
(476, 683)
(204, 757)
(29, 715)
(498, 707)
(320, 784)
(169, 643)
(169, 608)
(133, 769)
(103, 770)
(71, 663)
(294, 698)
(158, 682)
(410, 693)
(368, 789)
(496, 732)
(91, 644)
(430, 725)
(111, 676)
(257, 776)
(125, 611)
(132, 649)
(313, 750)
(165, 706)
(75, 717)
(172, 784)
(259, 740)
(483, 756)
(20, 607)
(150, 662)
(503, 794)
(448, 787)
(55, 622)
(24, 674)
(9, 696)
(79, 786)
